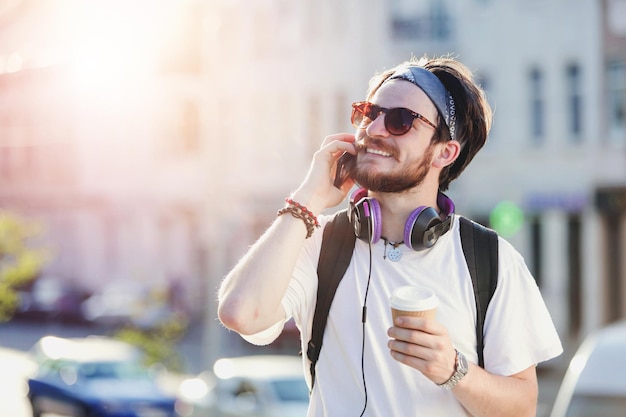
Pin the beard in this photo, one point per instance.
(410, 175)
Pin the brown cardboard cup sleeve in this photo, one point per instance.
(413, 301)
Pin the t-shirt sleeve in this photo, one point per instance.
(266, 336)
(519, 331)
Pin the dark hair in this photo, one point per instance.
(473, 112)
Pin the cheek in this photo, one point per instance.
(416, 153)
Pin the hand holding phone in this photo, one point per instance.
(345, 163)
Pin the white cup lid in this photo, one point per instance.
(409, 298)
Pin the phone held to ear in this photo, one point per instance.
(345, 163)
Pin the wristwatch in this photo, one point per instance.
(460, 370)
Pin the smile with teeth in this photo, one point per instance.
(377, 152)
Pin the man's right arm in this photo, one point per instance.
(250, 296)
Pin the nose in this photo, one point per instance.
(377, 127)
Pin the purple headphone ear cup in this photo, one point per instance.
(356, 196)
(417, 226)
(366, 220)
(365, 216)
(445, 204)
(409, 225)
(375, 219)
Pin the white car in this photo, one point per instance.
(595, 381)
(246, 386)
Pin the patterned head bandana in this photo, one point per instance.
(434, 89)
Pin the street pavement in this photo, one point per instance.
(16, 338)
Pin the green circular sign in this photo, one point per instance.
(506, 218)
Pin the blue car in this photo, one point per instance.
(94, 377)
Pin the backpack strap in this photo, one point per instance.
(335, 256)
(480, 247)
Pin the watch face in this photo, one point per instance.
(462, 363)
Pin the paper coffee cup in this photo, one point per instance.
(413, 301)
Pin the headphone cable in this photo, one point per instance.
(363, 320)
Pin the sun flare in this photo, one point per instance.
(111, 45)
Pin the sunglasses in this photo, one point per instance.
(398, 120)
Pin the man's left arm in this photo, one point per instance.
(424, 344)
(486, 394)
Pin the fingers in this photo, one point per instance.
(422, 344)
(438, 368)
(420, 323)
(435, 364)
(341, 137)
(422, 332)
(337, 144)
(327, 160)
(409, 352)
(317, 189)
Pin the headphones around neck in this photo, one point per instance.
(422, 229)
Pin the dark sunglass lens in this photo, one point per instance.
(398, 121)
(370, 111)
(363, 114)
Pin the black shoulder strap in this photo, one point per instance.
(335, 256)
(480, 247)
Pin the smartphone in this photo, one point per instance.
(345, 163)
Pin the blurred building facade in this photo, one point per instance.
(169, 175)
(100, 140)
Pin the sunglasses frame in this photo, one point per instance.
(358, 108)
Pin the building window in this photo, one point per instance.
(616, 79)
(440, 21)
(574, 251)
(574, 101)
(614, 284)
(182, 47)
(536, 263)
(181, 128)
(190, 127)
(420, 20)
(536, 105)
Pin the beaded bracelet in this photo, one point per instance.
(298, 211)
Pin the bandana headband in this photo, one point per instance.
(434, 89)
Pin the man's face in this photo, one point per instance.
(393, 164)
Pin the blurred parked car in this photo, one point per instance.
(51, 299)
(125, 303)
(259, 386)
(94, 377)
(595, 382)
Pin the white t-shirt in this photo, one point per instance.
(518, 331)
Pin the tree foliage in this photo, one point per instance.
(159, 342)
(20, 260)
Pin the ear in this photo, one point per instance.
(448, 152)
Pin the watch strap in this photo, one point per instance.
(460, 370)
